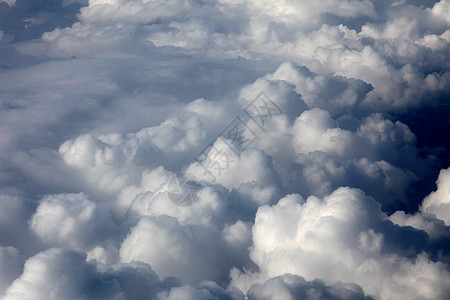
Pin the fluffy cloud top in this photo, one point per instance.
(438, 202)
(345, 237)
(70, 220)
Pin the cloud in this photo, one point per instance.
(10, 2)
(300, 32)
(311, 134)
(64, 274)
(295, 287)
(11, 263)
(71, 220)
(184, 248)
(24, 19)
(55, 273)
(344, 237)
(437, 202)
(14, 232)
(334, 93)
(431, 216)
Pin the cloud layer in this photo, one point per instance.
(297, 132)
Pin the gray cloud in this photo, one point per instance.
(295, 287)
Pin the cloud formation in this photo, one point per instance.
(345, 237)
(312, 132)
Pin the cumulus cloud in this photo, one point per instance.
(432, 216)
(437, 203)
(295, 287)
(55, 273)
(344, 237)
(71, 220)
(187, 252)
(229, 149)
(64, 274)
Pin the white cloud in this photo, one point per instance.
(104, 102)
(180, 249)
(71, 220)
(64, 274)
(54, 274)
(288, 31)
(432, 216)
(10, 2)
(438, 202)
(341, 237)
(106, 159)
